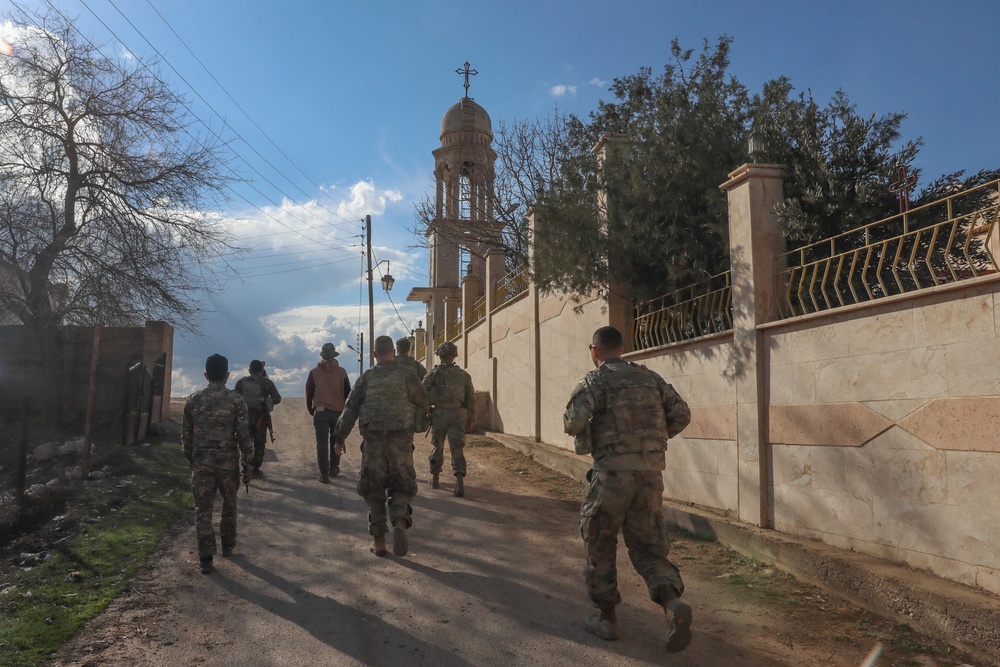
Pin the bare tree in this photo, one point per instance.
(103, 188)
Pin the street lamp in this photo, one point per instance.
(387, 282)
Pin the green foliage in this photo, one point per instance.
(47, 604)
(838, 164)
(674, 138)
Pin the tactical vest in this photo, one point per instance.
(387, 404)
(448, 386)
(633, 421)
(212, 419)
(252, 389)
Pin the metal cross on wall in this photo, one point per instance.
(466, 71)
(901, 188)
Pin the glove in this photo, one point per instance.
(247, 473)
(311, 409)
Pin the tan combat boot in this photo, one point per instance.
(603, 624)
(459, 486)
(399, 545)
(434, 480)
(380, 545)
(679, 619)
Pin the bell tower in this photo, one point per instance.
(464, 173)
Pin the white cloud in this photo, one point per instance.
(303, 284)
(600, 83)
(562, 90)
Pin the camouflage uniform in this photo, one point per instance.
(258, 415)
(409, 362)
(215, 437)
(452, 397)
(383, 403)
(622, 413)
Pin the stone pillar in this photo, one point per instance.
(452, 304)
(470, 294)
(159, 339)
(620, 315)
(420, 345)
(755, 239)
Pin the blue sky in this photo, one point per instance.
(336, 106)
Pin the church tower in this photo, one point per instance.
(464, 173)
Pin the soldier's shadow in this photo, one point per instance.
(336, 625)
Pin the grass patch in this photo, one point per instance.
(125, 516)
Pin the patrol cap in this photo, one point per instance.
(217, 365)
(328, 351)
(447, 350)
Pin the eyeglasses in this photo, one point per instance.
(591, 347)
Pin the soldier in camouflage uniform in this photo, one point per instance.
(384, 402)
(404, 359)
(216, 440)
(261, 396)
(622, 414)
(452, 398)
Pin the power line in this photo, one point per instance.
(209, 105)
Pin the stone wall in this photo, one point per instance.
(871, 428)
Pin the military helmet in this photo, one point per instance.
(447, 350)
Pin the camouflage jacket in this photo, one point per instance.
(413, 365)
(215, 426)
(385, 398)
(623, 413)
(448, 386)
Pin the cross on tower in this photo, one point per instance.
(902, 188)
(466, 71)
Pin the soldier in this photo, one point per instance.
(404, 359)
(215, 437)
(622, 413)
(327, 388)
(452, 399)
(384, 402)
(261, 396)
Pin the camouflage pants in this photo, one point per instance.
(206, 480)
(630, 501)
(258, 433)
(448, 422)
(387, 476)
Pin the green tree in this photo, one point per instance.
(673, 140)
(103, 184)
(837, 164)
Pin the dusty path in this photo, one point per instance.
(491, 579)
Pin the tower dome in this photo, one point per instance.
(465, 116)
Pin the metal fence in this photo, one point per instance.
(947, 241)
(511, 285)
(703, 308)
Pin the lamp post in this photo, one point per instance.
(755, 145)
(387, 281)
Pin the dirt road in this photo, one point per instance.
(491, 579)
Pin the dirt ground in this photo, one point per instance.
(492, 578)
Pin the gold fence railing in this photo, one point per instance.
(438, 340)
(703, 308)
(944, 242)
(511, 285)
(455, 329)
(420, 348)
(478, 311)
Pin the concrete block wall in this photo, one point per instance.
(120, 348)
(702, 463)
(883, 430)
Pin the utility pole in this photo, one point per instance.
(371, 296)
(387, 282)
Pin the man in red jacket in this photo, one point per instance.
(327, 388)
